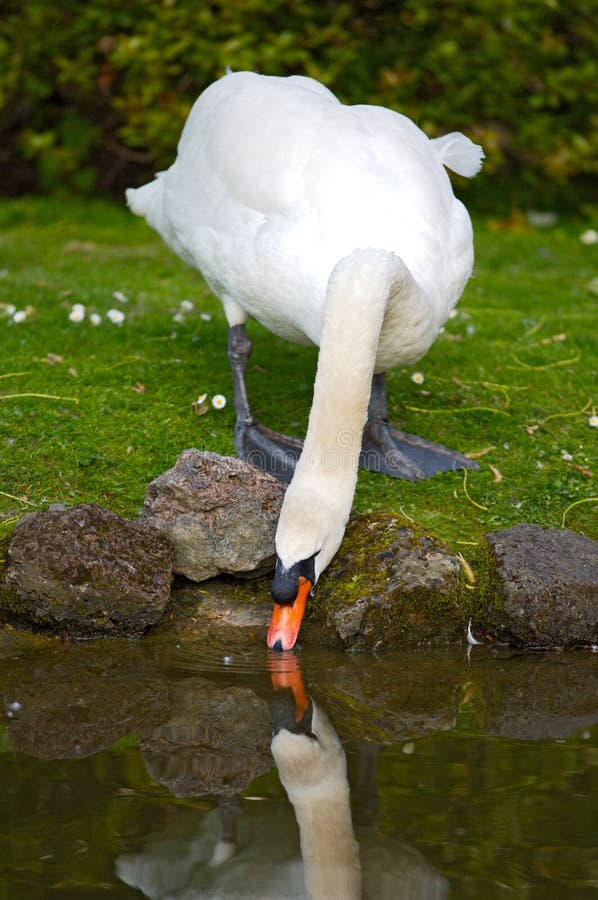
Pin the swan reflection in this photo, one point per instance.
(246, 849)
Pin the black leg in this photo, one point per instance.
(384, 448)
(267, 450)
(401, 455)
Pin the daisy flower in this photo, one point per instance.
(566, 456)
(593, 421)
(201, 399)
(218, 401)
(589, 237)
(19, 316)
(77, 313)
(179, 318)
(186, 306)
(118, 295)
(10, 309)
(205, 317)
(116, 316)
(417, 378)
(95, 319)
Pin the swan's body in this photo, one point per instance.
(329, 224)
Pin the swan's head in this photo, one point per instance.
(309, 754)
(310, 530)
(290, 589)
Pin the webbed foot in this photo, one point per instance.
(399, 454)
(384, 448)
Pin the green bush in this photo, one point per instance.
(93, 95)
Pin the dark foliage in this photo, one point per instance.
(93, 95)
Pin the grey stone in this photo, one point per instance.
(77, 698)
(220, 513)
(392, 697)
(235, 613)
(543, 586)
(88, 572)
(388, 587)
(531, 696)
(215, 741)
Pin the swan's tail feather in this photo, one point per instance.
(146, 201)
(459, 154)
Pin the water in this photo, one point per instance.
(146, 769)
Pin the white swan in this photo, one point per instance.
(329, 224)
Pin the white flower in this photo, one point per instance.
(10, 309)
(201, 399)
(19, 316)
(77, 313)
(566, 456)
(95, 319)
(218, 401)
(118, 295)
(179, 318)
(589, 237)
(206, 317)
(115, 316)
(593, 421)
(417, 378)
(453, 314)
(186, 306)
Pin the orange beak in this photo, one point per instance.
(285, 673)
(286, 620)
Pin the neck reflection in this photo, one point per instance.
(313, 770)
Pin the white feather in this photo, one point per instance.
(459, 154)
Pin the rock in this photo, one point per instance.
(87, 571)
(543, 586)
(216, 739)
(235, 613)
(534, 696)
(389, 587)
(77, 698)
(393, 697)
(220, 513)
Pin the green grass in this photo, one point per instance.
(513, 371)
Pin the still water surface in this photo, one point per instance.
(151, 769)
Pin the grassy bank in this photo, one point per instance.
(94, 412)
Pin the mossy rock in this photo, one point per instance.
(393, 697)
(389, 586)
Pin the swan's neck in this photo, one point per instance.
(367, 290)
(328, 847)
(353, 314)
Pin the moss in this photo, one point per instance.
(487, 602)
(5, 540)
(390, 585)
